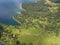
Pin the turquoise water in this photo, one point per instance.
(9, 8)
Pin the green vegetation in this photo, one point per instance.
(39, 25)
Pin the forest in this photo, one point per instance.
(39, 25)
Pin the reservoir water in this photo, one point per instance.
(9, 8)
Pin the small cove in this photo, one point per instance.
(9, 9)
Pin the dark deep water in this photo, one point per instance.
(9, 8)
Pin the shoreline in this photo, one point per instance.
(15, 20)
